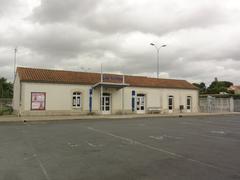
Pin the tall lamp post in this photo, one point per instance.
(158, 48)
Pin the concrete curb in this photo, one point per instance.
(13, 118)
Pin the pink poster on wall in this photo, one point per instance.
(38, 101)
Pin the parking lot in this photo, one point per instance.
(142, 148)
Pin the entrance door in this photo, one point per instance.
(106, 103)
(189, 104)
(140, 103)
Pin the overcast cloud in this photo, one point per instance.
(202, 37)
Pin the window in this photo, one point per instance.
(189, 102)
(170, 102)
(76, 100)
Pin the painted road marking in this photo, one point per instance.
(165, 136)
(131, 141)
(176, 155)
(204, 123)
(90, 144)
(217, 132)
(156, 137)
(72, 144)
(42, 167)
(94, 145)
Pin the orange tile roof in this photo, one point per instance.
(234, 87)
(87, 78)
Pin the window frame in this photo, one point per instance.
(172, 104)
(77, 95)
(189, 106)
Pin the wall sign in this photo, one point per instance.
(38, 100)
(112, 78)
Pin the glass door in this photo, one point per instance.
(106, 103)
(140, 103)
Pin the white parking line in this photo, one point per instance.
(217, 132)
(213, 123)
(72, 144)
(160, 150)
(156, 137)
(90, 144)
(166, 137)
(42, 167)
(131, 141)
(172, 137)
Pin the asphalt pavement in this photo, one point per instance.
(172, 148)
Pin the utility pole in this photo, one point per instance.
(15, 61)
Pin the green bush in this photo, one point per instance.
(6, 110)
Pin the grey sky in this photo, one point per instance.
(202, 36)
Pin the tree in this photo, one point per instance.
(202, 87)
(6, 88)
(219, 86)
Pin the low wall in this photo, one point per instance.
(236, 105)
(214, 105)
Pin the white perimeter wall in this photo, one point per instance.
(16, 94)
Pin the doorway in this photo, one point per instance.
(140, 103)
(106, 103)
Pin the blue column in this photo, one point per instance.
(90, 100)
(133, 100)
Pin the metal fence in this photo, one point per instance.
(214, 104)
(5, 106)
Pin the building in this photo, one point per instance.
(57, 92)
(235, 89)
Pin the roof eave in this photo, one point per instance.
(54, 82)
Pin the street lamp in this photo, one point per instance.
(158, 48)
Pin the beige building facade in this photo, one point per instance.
(235, 89)
(51, 92)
